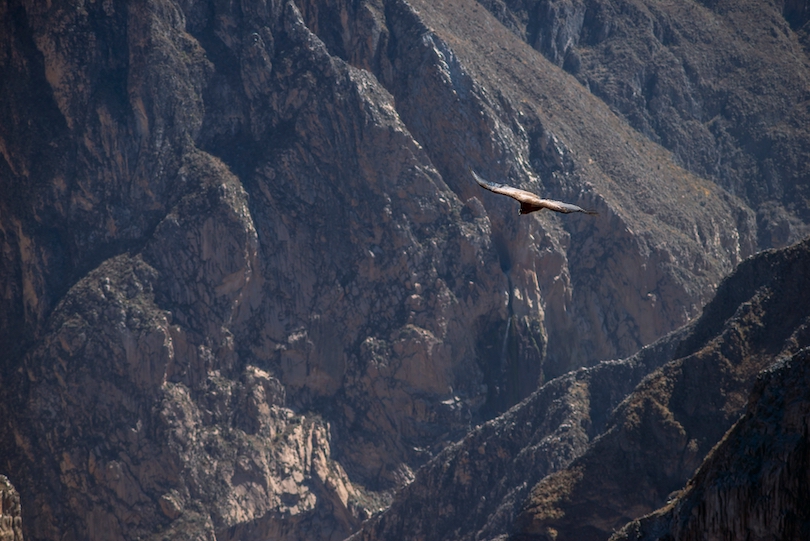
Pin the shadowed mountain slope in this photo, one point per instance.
(754, 483)
(661, 432)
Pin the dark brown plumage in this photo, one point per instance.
(529, 202)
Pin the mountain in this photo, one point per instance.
(250, 287)
(721, 84)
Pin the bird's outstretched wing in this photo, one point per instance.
(529, 202)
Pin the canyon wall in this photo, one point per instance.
(661, 433)
(754, 484)
(592, 450)
(249, 285)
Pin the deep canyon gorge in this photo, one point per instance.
(250, 289)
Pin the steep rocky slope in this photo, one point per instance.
(661, 432)
(248, 284)
(613, 465)
(756, 483)
(475, 488)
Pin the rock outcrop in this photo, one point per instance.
(720, 84)
(248, 286)
(10, 513)
(475, 488)
(662, 431)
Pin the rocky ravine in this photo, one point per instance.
(248, 286)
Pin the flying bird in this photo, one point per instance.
(529, 202)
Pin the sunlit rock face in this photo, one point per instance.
(248, 284)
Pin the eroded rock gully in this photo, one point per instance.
(249, 287)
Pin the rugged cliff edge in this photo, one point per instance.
(248, 286)
(10, 512)
(475, 488)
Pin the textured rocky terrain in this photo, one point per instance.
(10, 512)
(662, 431)
(755, 483)
(475, 488)
(248, 286)
(721, 84)
(598, 447)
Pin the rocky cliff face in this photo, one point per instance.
(721, 84)
(480, 484)
(660, 434)
(580, 458)
(754, 484)
(249, 286)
